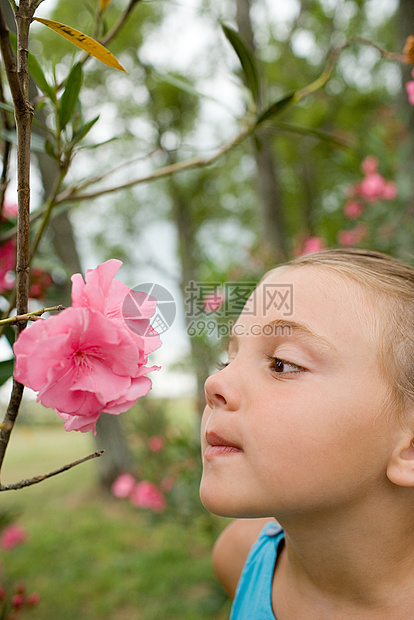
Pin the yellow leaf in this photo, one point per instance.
(103, 4)
(83, 41)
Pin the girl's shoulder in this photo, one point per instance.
(233, 548)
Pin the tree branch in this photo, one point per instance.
(196, 162)
(117, 27)
(36, 479)
(30, 316)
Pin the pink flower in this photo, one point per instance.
(84, 360)
(33, 599)
(390, 191)
(369, 165)
(353, 209)
(312, 244)
(147, 495)
(213, 301)
(372, 186)
(116, 301)
(410, 91)
(81, 364)
(12, 535)
(9, 211)
(7, 264)
(167, 484)
(352, 237)
(156, 443)
(40, 282)
(123, 485)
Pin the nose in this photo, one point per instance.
(221, 391)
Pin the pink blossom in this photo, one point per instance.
(156, 443)
(102, 292)
(390, 191)
(167, 484)
(12, 535)
(40, 281)
(312, 244)
(369, 165)
(85, 360)
(410, 92)
(147, 495)
(33, 599)
(7, 264)
(213, 301)
(123, 485)
(353, 209)
(352, 237)
(372, 186)
(81, 364)
(9, 211)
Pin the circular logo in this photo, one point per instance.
(138, 307)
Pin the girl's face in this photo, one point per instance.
(293, 423)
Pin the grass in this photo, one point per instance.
(92, 558)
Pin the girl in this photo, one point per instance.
(311, 422)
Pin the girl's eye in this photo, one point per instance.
(283, 367)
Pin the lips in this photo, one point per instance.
(219, 446)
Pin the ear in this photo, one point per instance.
(400, 468)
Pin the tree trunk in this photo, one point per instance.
(272, 227)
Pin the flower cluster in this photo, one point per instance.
(372, 188)
(141, 494)
(19, 600)
(12, 535)
(85, 360)
(14, 601)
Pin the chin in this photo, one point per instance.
(224, 505)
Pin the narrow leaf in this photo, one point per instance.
(7, 107)
(277, 107)
(70, 95)
(37, 143)
(35, 71)
(247, 60)
(6, 370)
(83, 131)
(103, 4)
(81, 40)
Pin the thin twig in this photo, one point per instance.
(30, 316)
(36, 479)
(195, 162)
(117, 27)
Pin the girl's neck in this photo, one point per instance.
(356, 565)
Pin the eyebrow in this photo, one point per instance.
(298, 329)
(301, 330)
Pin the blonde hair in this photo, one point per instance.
(391, 285)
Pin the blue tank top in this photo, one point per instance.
(253, 600)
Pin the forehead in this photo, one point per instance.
(328, 303)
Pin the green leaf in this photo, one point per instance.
(247, 60)
(50, 150)
(6, 370)
(70, 95)
(276, 108)
(10, 334)
(83, 131)
(7, 107)
(35, 71)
